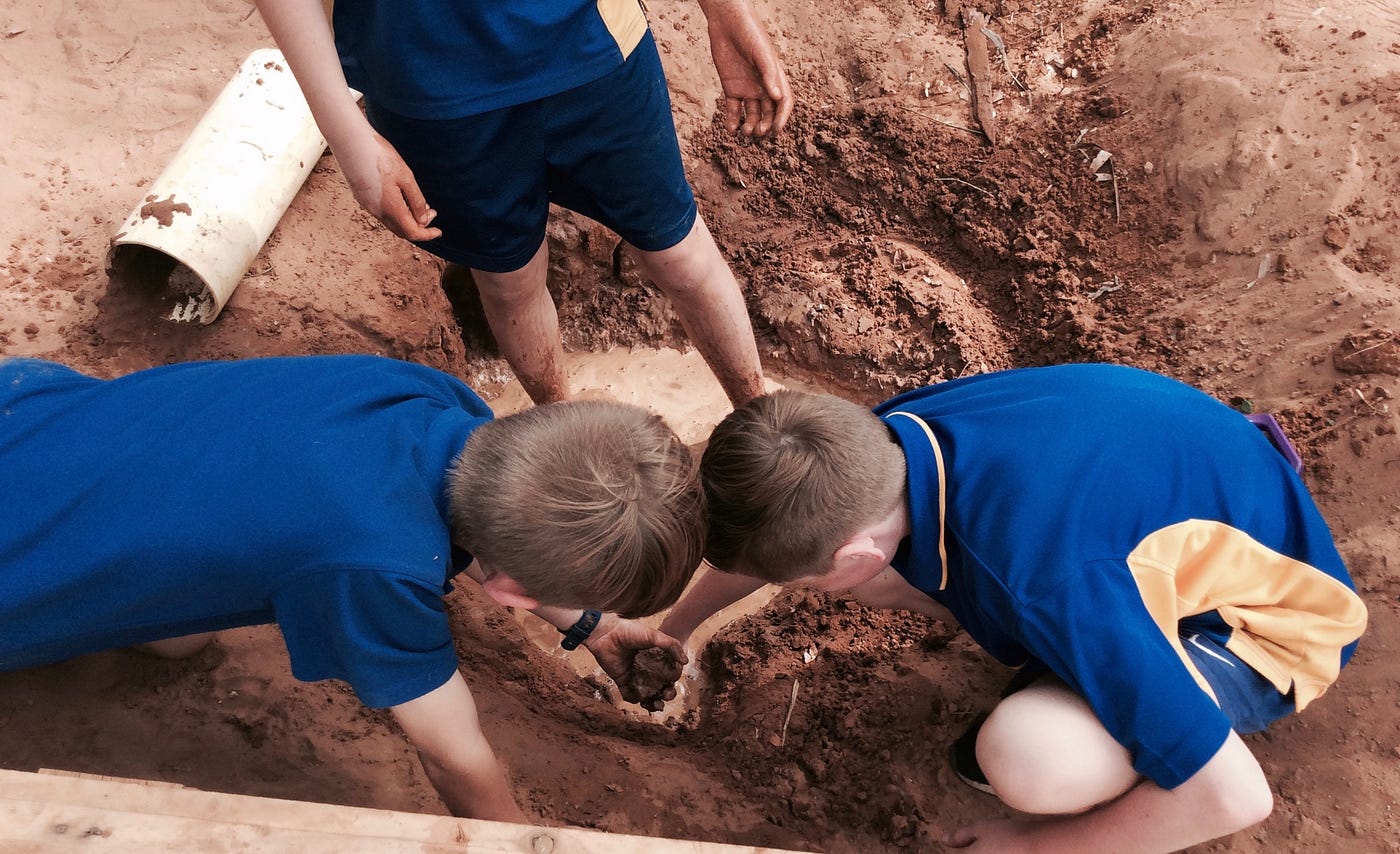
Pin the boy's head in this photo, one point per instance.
(789, 477)
(587, 504)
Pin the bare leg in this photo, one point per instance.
(181, 647)
(523, 319)
(1044, 751)
(711, 307)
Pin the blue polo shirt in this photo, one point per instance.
(305, 491)
(1085, 517)
(446, 59)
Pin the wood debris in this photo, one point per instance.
(979, 71)
(792, 703)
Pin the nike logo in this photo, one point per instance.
(1195, 641)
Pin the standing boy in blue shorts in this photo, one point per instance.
(1142, 552)
(338, 497)
(497, 110)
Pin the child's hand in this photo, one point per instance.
(618, 643)
(989, 836)
(401, 204)
(388, 190)
(755, 86)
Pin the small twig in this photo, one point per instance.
(966, 184)
(1385, 339)
(1368, 404)
(1117, 209)
(1005, 62)
(792, 703)
(959, 76)
(958, 127)
(1318, 434)
(1106, 289)
(909, 109)
(124, 55)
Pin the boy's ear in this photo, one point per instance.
(508, 592)
(858, 560)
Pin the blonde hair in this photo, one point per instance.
(587, 504)
(789, 477)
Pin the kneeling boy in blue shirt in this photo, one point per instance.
(1145, 555)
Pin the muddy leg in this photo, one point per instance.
(711, 307)
(523, 319)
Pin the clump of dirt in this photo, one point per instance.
(654, 672)
(1375, 352)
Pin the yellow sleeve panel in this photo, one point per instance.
(1290, 620)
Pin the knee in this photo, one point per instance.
(512, 290)
(692, 267)
(1046, 757)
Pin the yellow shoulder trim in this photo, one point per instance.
(942, 494)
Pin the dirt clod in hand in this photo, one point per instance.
(653, 675)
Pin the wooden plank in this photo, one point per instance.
(51, 812)
(86, 776)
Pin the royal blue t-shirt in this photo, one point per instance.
(1088, 517)
(195, 497)
(446, 59)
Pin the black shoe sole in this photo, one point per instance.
(962, 755)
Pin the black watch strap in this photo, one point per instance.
(579, 632)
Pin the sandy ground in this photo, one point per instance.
(1245, 241)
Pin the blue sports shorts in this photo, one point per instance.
(606, 149)
(1250, 701)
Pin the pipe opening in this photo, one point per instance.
(159, 284)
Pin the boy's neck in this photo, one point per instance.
(889, 532)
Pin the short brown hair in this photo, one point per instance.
(587, 504)
(789, 477)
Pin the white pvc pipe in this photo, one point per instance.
(219, 198)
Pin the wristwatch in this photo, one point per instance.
(579, 632)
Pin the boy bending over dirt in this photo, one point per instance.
(336, 496)
(1141, 551)
(479, 115)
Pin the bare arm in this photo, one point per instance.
(1228, 794)
(713, 591)
(382, 183)
(890, 591)
(444, 727)
(750, 71)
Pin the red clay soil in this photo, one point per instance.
(1240, 234)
